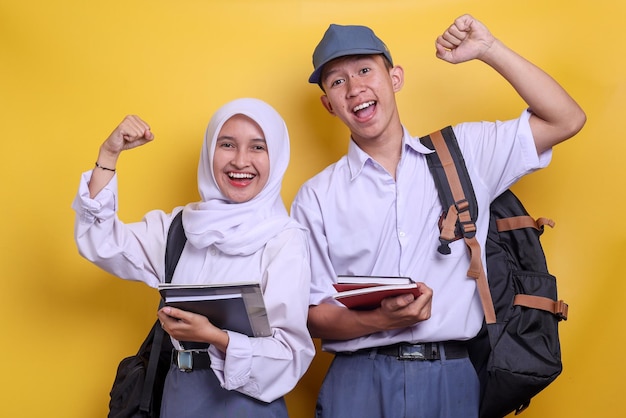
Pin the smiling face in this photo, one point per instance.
(360, 90)
(241, 164)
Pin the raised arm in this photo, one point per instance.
(130, 133)
(555, 115)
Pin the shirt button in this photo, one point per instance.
(213, 252)
(402, 233)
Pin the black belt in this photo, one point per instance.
(190, 360)
(419, 351)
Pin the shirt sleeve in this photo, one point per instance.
(269, 367)
(134, 251)
(500, 153)
(306, 210)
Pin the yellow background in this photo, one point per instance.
(70, 70)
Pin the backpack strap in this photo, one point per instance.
(176, 240)
(454, 186)
(557, 308)
(519, 222)
(457, 197)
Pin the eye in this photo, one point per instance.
(337, 82)
(365, 70)
(226, 145)
(259, 145)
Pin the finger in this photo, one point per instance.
(463, 23)
(171, 312)
(148, 134)
(426, 292)
(444, 43)
(424, 301)
(142, 127)
(133, 128)
(395, 303)
(163, 317)
(454, 37)
(442, 52)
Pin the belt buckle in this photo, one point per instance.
(184, 360)
(417, 352)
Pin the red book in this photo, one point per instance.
(366, 292)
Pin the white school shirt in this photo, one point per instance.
(264, 368)
(362, 222)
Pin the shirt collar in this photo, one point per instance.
(357, 158)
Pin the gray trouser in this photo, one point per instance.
(371, 385)
(198, 394)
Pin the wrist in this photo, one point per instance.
(105, 168)
(493, 51)
(106, 160)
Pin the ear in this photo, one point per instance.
(397, 78)
(327, 105)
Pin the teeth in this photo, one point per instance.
(363, 106)
(240, 175)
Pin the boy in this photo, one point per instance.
(376, 211)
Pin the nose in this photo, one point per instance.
(240, 158)
(355, 85)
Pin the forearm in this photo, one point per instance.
(130, 133)
(104, 171)
(556, 116)
(218, 338)
(333, 322)
(337, 323)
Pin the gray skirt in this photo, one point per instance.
(198, 394)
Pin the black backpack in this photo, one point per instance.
(517, 352)
(138, 386)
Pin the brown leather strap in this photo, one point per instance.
(448, 166)
(476, 269)
(449, 223)
(541, 222)
(555, 307)
(519, 222)
(477, 272)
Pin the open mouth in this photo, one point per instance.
(240, 176)
(364, 108)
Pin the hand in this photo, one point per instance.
(130, 133)
(464, 40)
(406, 310)
(189, 326)
(333, 322)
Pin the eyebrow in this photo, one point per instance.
(350, 59)
(231, 138)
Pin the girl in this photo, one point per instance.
(239, 231)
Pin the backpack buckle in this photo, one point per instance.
(561, 309)
(455, 224)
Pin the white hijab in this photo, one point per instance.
(240, 228)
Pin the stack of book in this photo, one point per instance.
(366, 292)
(236, 307)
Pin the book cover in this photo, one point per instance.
(369, 292)
(236, 307)
(345, 283)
